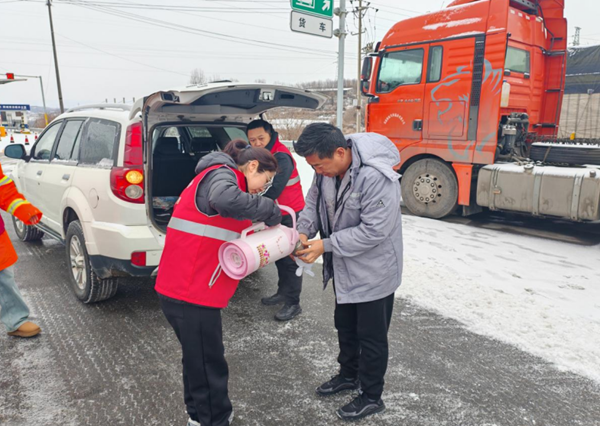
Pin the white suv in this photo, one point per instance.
(107, 176)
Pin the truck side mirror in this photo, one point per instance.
(364, 88)
(365, 75)
(367, 67)
(15, 151)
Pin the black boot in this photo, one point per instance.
(337, 384)
(361, 407)
(288, 312)
(276, 299)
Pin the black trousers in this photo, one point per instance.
(289, 285)
(363, 338)
(205, 371)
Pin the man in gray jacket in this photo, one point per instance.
(354, 203)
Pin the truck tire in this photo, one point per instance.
(88, 287)
(573, 154)
(430, 189)
(26, 233)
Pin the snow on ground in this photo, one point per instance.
(539, 295)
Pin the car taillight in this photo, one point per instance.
(138, 258)
(134, 155)
(127, 182)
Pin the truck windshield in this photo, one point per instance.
(400, 68)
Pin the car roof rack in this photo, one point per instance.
(122, 107)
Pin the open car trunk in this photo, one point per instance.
(182, 126)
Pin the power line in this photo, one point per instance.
(121, 57)
(210, 34)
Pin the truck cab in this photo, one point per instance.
(468, 86)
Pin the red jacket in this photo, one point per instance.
(292, 195)
(189, 267)
(14, 203)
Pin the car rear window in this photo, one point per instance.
(98, 142)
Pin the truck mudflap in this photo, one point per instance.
(566, 192)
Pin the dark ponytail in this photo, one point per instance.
(242, 153)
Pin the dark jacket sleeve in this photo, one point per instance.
(225, 197)
(286, 168)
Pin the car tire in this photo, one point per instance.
(565, 153)
(430, 189)
(26, 233)
(88, 287)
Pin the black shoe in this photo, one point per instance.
(361, 407)
(337, 384)
(276, 299)
(288, 312)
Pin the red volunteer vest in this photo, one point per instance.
(189, 267)
(292, 195)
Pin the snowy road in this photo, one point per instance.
(496, 323)
(117, 362)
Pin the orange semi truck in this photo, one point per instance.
(471, 96)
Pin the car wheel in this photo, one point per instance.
(430, 189)
(26, 232)
(88, 287)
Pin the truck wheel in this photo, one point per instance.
(430, 189)
(25, 232)
(565, 153)
(88, 287)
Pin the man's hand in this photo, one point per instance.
(304, 240)
(314, 250)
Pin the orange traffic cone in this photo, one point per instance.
(26, 141)
(12, 139)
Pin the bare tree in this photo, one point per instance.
(197, 77)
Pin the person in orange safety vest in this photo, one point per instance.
(14, 313)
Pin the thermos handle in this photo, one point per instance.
(260, 226)
(291, 212)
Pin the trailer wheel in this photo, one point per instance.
(430, 189)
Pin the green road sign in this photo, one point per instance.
(315, 7)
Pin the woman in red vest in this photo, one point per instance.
(287, 190)
(222, 200)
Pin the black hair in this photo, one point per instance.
(321, 139)
(260, 124)
(242, 153)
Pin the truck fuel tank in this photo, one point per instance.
(567, 192)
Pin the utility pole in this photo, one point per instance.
(60, 96)
(576, 36)
(358, 81)
(43, 96)
(341, 34)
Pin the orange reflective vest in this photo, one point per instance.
(14, 203)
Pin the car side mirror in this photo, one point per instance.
(15, 151)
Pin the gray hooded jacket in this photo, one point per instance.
(363, 243)
(219, 194)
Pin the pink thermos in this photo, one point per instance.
(239, 258)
